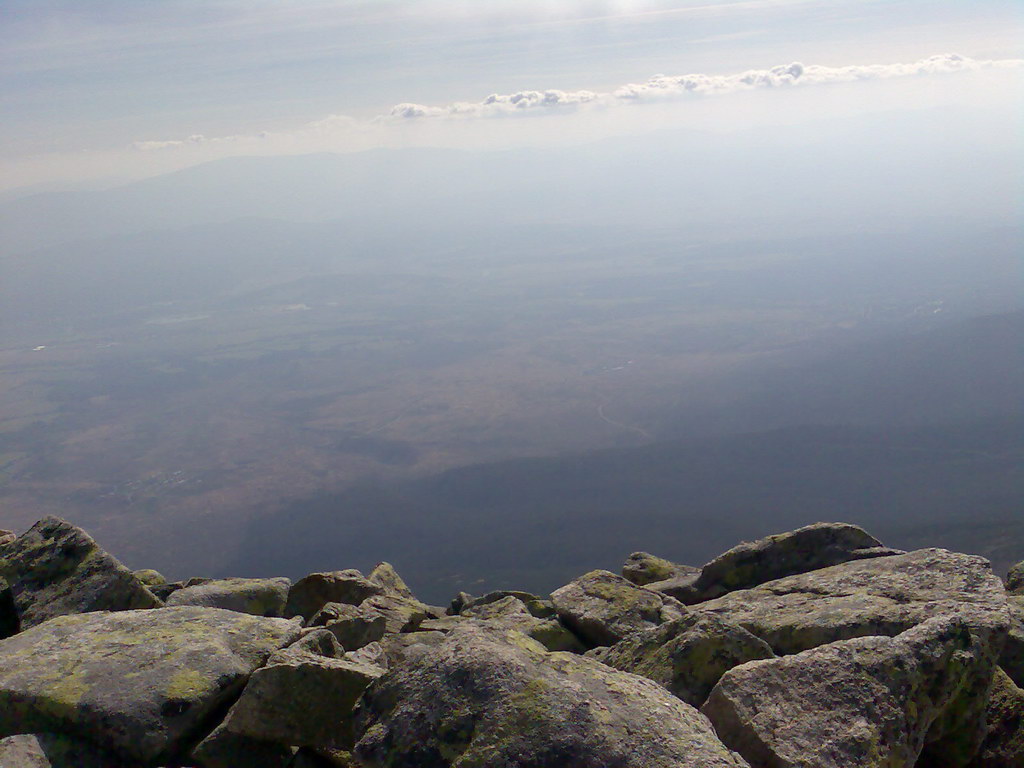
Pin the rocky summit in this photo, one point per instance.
(814, 648)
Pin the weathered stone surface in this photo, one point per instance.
(643, 568)
(224, 749)
(388, 579)
(511, 613)
(372, 653)
(55, 569)
(785, 554)
(688, 655)
(149, 577)
(401, 614)
(259, 597)
(537, 606)
(1015, 579)
(301, 698)
(353, 626)
(515, 704)
(6, 537)
(51, 750)
(311, 593)
(1012, 660)
(868, 702)
(139, 683)
(319, 641)
(401, 648)
(602, 608)
(1003, 746)
(882, 596)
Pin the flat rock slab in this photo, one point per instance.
(785, 554)
(882, 596)
(138, 683)
(490, 697)
(871, 702)
(259, 597)
(56, 568)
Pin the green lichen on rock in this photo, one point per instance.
(872, 702)
(140, 682)
(688, 655)
(258, 597)
(55, 569)
(518, 705)
(602, 608)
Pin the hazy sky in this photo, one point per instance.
(125, 88)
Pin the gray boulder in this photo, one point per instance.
(537, 606)
(51, 750)
(602, 608)
(141, 684)
(871, 702)
(311, 593)
(150, 577)
(1003, 746)
(515, 704)
(1015, 579)
(643, 568)
(55, 569)
(882, 596)
(353, 626)
(687, 656)
(1012, 659)
(401, 614)
(511, 613)
(302, 698)
(6, 537)
(401, 648)
(259, 597)
(806, 549)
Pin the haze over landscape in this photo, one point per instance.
(500, 292)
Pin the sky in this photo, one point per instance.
(109, 90)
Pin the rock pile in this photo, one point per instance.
(817, 648)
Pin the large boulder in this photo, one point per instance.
(881, 596)
(303, 696)
(773, 557)
(871, 702)
(55, 569)
(643, 568)
(602, 608)
(1003, 746)
(311, 593)
(351, 625)
(688, 655)
(52, 750)
(491, 697)
(141, 684)
(259, 597)
(401, 614)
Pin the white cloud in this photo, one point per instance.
(662, 87)
(658, 89)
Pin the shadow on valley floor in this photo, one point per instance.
(536, 523)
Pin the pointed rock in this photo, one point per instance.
(56, 569)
